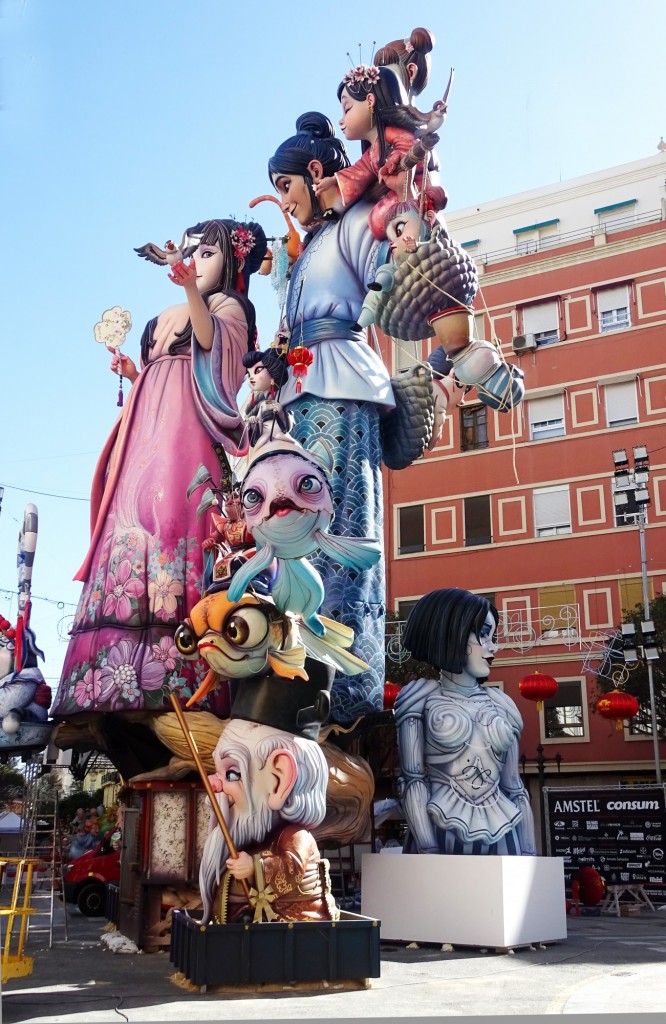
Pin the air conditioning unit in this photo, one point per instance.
(524, 342)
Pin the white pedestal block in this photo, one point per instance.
(501, 902)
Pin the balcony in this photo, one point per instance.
(535, 246)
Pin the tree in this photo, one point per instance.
(12, 784)
(636, 682)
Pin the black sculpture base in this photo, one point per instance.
(275, 952)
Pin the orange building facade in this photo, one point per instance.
(519, 506)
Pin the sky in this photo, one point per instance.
(125, 121)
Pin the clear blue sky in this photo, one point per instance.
(124, 121)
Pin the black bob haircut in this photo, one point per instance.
(439, 627)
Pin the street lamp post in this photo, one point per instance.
(541, 760)
(630, 489)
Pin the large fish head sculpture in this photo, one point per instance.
(286, 501)
(239, 639)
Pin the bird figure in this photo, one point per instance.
(170, 254)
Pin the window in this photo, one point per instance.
(473, 427)
(621, 404)
(542, 320)
(558, 611)
(477, 520)
(613, 306)
(407, 353)
(534, 237)
(631, 593)
(411, 529)
(629, 514)
(563, 713)
(405, 608)
(552, 514)
(617, 216)
(641, 723)
(546, 417)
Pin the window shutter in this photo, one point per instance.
(540, 318)
(616, 297)
(621, 405)
(542, 409)
(551, 507)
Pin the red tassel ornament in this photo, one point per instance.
(299, 359)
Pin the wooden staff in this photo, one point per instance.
(206, 781)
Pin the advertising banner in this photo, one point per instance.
(620, 831)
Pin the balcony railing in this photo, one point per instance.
(531, 247)
(518, 630)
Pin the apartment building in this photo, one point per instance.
(520, 506)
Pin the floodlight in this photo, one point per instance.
(650, 651)
(622, 480)
(620, 457)
(620, 499)
(641, 476)
(642, 496)
(640, 453)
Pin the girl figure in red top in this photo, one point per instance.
(376, 112)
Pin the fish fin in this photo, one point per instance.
(356, 552)
(298, 589)
(328, 652)
(337, 633)
(244, 576)
(210, 682)
(289, 663)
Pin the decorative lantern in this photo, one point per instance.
(617, 706)
(299, 359)
(537, 686)
(391, 691)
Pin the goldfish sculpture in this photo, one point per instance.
(250, 637)
(288, 508)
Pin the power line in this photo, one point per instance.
(45, 494)
(49, 600)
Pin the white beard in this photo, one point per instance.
(244, 831)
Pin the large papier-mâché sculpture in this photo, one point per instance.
(143, 570)
(270, 782)
(288, 508)
(460, 787)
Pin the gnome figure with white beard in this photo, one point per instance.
(270, 782)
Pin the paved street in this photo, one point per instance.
(606, 965)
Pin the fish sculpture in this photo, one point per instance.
(251, 637)
(288, 508)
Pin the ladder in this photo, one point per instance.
(42, 842)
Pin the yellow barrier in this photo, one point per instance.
(14, 963)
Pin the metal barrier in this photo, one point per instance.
(15, 964)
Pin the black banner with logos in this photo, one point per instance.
(620, 832)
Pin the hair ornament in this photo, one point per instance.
(362, 74)
(408, 46)
(242, 241)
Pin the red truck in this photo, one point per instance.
(85, 878)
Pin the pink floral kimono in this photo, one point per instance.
(143, 571)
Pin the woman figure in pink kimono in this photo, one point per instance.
(143, 571)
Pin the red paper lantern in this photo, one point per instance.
(299, 359)
(617, 706)
(537, 686)
(391, 691)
